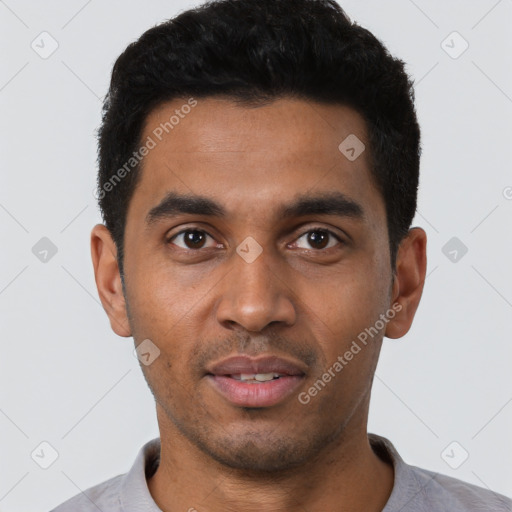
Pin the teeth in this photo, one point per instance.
(262, 377)
(258, 377)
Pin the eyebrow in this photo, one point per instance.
(328, 203)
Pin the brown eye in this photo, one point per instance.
(319, 239)
(190, 239)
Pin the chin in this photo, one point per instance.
(258, 452)
(257, 446)
(253, 457)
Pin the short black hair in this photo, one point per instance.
(256, 51)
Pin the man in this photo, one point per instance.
(258, 179)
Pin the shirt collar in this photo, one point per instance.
(405, 486)
(135, 495)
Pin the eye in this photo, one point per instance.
(191, 239)
(319, 238)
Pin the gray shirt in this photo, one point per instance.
(414, 489)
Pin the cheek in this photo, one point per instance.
(347, 320)
(161, 296)
(353, 303)
(349, 346)
(165, 384)
(167, 308)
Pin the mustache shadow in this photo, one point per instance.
(239, 343)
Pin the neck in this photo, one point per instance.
(347, 476)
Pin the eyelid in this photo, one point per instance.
(187, 227)
(322, 228)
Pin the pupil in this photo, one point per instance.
(319, 238)
(194, 238)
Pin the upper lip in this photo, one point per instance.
(250, 365)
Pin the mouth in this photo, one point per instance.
(256, 382)
(256, 378)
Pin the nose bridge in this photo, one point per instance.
(254, 294)
(253, 272)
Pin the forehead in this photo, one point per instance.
(254, 157)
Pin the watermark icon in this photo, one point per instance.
(454, 249)
(45, 45)
(352, 147)
(146, 352)
(44, 455)
(343, 360)
(507, 193)
(455, 455)
(454, 45)
(44, 250)
(249, 249)
(150, 143)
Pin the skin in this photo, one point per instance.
(299, 299)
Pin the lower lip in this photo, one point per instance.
(264, 394)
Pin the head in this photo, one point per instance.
(236, 223)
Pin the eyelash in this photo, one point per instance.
(312, 230)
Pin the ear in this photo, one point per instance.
(108, 279)
(411, 266)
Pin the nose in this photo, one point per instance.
(256, 294)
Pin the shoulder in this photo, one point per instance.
(105, 496)
(128, 489)
(420, 490)
(438, 490)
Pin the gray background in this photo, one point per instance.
(68, 380)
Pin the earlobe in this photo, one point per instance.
(408, 283)
(108, 279)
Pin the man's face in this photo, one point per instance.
(199, 289)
